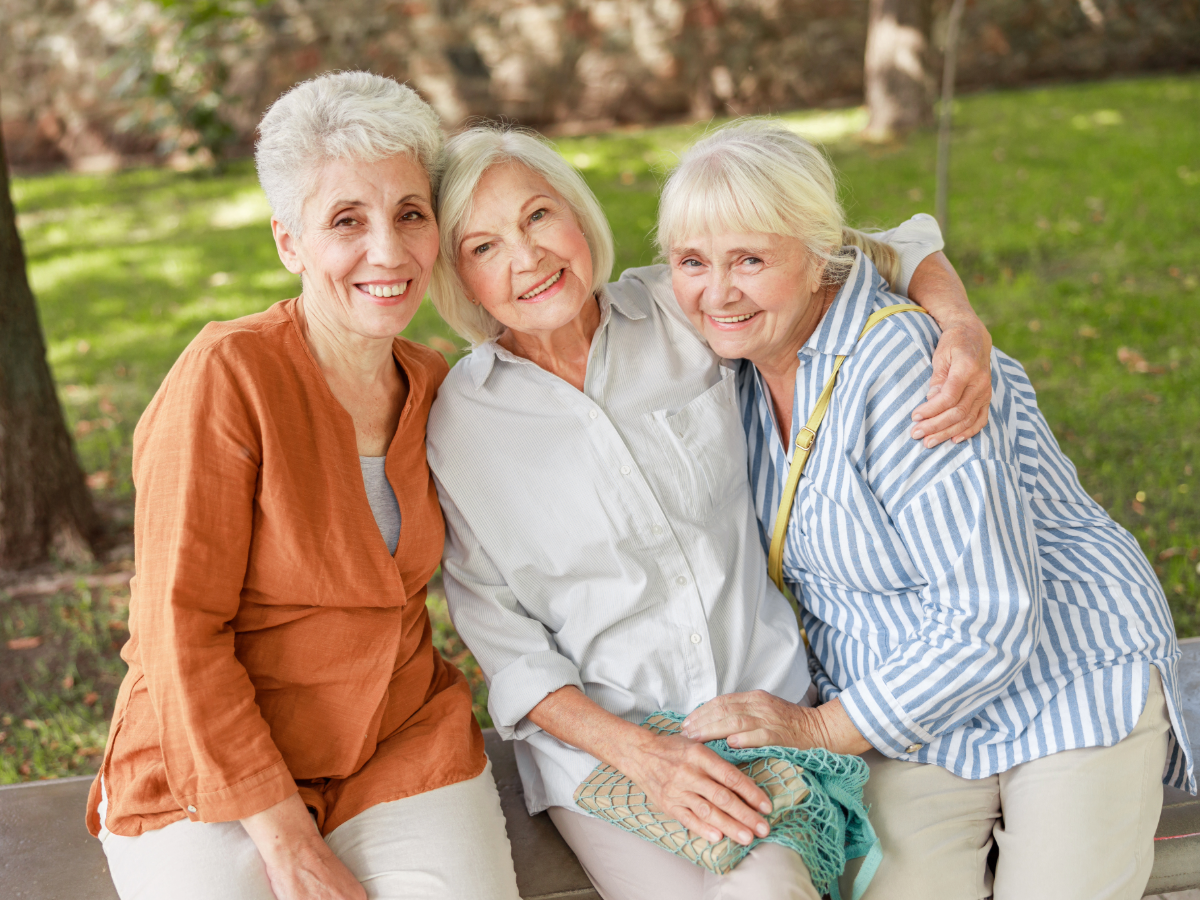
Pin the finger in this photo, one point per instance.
(977, 426)
(946, 426)
(758, 737)
(693, 822)
(947, 394)
(714, 816)
(716, 728)
(732, 789)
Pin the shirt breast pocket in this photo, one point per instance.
(708, 448)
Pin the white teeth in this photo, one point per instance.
(545, 285)
(386, 290)
(729, 320)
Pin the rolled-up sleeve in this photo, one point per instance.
(518, 655)
(196, 470)
(912, 240)
(971, 538)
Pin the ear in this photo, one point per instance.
(287, 246)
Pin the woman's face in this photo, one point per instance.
(523, 256)
(368, 246)
(752, 296)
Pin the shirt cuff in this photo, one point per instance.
(914, 240)
(523, 684)
(878, 716)
(237, 801)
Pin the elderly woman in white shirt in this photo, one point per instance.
(602, 558)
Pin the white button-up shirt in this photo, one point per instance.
(607, 538)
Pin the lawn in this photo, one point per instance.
(1074, 220)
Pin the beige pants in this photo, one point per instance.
(447, 844)
(623, 866)
(1078, 824)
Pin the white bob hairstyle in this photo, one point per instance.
(468, 156)
(756, 177)
(342, 115)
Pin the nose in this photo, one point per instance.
(527, 253)
(719, 289)
(386, 248)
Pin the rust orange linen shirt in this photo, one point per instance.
(275, 643)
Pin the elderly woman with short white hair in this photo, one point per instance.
(996, 646)
(602, 558)
(287, 729)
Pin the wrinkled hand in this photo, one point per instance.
(299, 864)
(956, 406)
(690, 783)
(756, 719)
(314, 875)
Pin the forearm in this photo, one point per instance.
(283, 830)
(838, 733)
(935, 285)
(569, 715)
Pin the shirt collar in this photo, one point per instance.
(484, 356)
(838, 330)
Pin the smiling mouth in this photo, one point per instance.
(383, 291)
(544, 286)
(732, 320)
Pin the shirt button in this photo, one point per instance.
(625, 470)
(191, 809)
(593, 414)
(681, 580)
(696, 639)
(657, 529)
(912, 748)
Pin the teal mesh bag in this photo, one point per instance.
(817, 799)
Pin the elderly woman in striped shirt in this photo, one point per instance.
(996, 647)
(602, 557)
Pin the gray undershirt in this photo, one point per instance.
(382, 498)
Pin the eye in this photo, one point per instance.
(752, 261)
(412, 215)
(537, 216)
(482, 249)
(690, 263)
(345, 220)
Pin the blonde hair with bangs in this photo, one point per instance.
(755, 176)
(468, 157)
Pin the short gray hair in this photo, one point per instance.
(468, 156)
(756, 176)
(341, 115)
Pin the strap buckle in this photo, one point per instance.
(805, 441)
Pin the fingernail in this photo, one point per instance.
(959, 439)
(763, 830)
(929, 443)
(765, 807)
(745, 837)
(917, 417)
(918, 434)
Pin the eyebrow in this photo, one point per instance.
(339, 203)
(736, 251)
(525, 205)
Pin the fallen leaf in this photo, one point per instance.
(98, 481)
(24, 768)
(1087, 331)
(1169, 552)
(25, 643)
(1136, 363)
(1138, 508)
(1152, 398)
(31, 724)
(68, 682)
(90, 697)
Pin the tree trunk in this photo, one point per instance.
(44, 500)
(898, 85)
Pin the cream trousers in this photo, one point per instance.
(447, 844)
(624, 866)
(1078, 825)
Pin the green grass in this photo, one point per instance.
(1074, 220)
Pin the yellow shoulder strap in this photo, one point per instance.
(804, 441)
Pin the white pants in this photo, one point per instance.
(624, 866)
(447, 844)
(1078, 825)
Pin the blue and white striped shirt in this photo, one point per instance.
(971, 605)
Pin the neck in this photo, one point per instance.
(778, 364)
(562, 352)
(342, 355)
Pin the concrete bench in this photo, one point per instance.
(47, 854)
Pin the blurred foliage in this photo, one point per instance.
(1074, 220)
